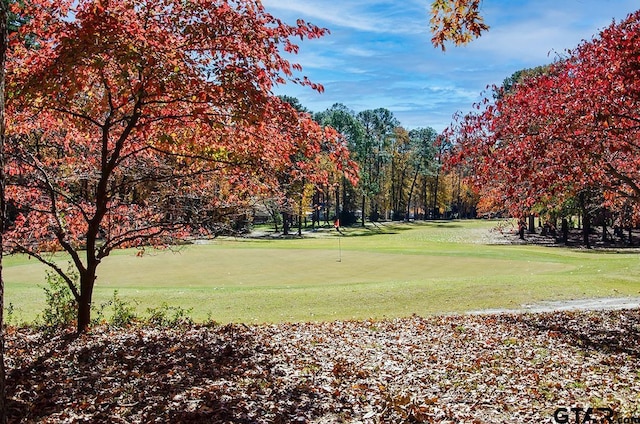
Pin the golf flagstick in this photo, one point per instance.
(336, 224)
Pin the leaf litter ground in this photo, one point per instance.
(473, 368)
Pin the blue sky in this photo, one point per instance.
(379, 52)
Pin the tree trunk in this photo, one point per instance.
(316, 209)
(521, 227)
(532, 224)
(424, 199)
(273, 213)
(413, 184)
(565, 231)
(326, 200)
(586, 220)
(337, 200)
(87, 281)
(394, 192)
(285, 223)
(401, 194)
(364, 200)
(459, 197)
(436, 211)
(586, 229)
(300, 215)
(344, 196)
(84, 314)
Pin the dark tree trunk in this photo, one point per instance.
(316, 209)
(87, 281)
(532, 224)
(285, 223)
(413, 185)
(424, 199)
(586, 229)
(84, 313)
(364, 200)
(300, 215)
(326, 201)
(565, 230)
(345, 203)
(273, 213)
(435, 209)
(586, 220)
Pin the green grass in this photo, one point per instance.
(395, 270)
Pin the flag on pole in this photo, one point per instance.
(336, 224)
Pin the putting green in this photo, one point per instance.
(264, 267)
(393, 271)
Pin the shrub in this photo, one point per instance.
(61, 307)
(122, 312)
(169, 316)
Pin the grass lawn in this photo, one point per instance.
(389, 271)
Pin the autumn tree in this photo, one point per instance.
(390, 160)
(311, 163)
(379, 130)
(442, 146)
(509, 163)
(509, 84)
(457, 21)
(413, 156)
(422, 153)
(291, 182)
(399, 170)
(123, 115)
(343, 120)
(567, 133)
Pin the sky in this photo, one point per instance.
(379, 53)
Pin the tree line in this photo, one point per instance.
(401, 175)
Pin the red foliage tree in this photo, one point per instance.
(565, 132)
(128, 117)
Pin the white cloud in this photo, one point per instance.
(536, 31)
(355, 15)
(379, 52)
(359, 51)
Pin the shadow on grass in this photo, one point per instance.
(575, 241)
(396, 227)
(355, 230)
(439, 223)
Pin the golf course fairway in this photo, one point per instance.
(389, 270)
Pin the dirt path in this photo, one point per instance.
(600, 304)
